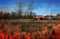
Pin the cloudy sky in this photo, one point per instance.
(41, 7)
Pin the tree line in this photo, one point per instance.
(20, 13)
(17, 15)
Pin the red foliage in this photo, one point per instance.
(17, 32)
(2, 35)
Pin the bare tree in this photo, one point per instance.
(20, 10)
(13, 15)
(1, 14)
(6, 15)
(30, 8)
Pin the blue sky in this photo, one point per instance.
(41, 7)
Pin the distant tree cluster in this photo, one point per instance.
(20, 13)
(16, 15)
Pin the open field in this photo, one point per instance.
(42, 29)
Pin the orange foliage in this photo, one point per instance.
(17, 32)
